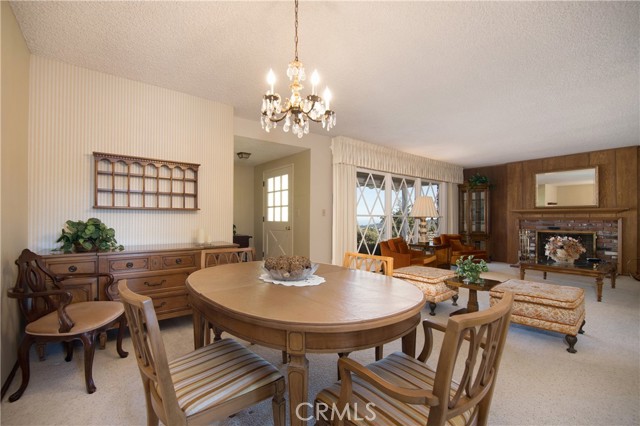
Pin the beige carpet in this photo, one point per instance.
(540, 383)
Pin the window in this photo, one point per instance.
(383, 206)
(278, 198)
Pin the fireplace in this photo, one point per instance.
(586, 238)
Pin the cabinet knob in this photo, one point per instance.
(129, 265)
(73, 268)
(178, 261)
(160, 305)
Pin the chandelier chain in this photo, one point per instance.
(296, 26)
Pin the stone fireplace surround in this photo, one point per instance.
(607, 233)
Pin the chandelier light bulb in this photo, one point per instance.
(327, 98)
(271, 79)
(315, 79)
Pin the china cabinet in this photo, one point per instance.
(473, 215)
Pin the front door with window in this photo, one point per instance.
(278, 196)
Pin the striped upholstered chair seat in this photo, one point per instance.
(400, 390)
(400, 370)
(216, 373)
(205, 385)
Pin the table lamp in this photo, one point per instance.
(424, 208)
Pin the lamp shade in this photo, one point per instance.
(424, 207)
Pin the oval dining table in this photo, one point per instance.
(351, 310)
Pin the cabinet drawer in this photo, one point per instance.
(165, 305)
(129, 264)
(70, 268)
(157, 282)
(184, 260)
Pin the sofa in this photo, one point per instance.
(456, 249)
(402, 255)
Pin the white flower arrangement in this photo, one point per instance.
(563, 248)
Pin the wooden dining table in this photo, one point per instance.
(351, 310)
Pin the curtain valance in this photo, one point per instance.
(375, 157)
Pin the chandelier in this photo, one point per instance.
(296, 110)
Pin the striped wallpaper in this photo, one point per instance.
(74, 111)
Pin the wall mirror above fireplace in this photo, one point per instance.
(567, 188)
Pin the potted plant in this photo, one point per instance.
(469, 270)
(92, 235)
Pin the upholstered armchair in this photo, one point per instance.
(456, 248)
(402, 255)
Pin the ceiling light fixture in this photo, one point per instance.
(243, 155)
(297, 112)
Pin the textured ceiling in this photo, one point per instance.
(471, 83)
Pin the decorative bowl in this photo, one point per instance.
(284, 275)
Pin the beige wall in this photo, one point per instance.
(320, 181)
(243, 201)
(14, 230)
(576, 195)
(76, 111)
(301, 201)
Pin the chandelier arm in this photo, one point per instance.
(276, 120)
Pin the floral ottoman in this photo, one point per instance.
(546, 306)
(431, 282)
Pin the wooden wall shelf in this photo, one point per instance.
(127, 182)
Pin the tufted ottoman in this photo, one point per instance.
(546, 306)
(431, 282)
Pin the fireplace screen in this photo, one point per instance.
(586, 238)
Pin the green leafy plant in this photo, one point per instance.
(477, 180)
(88, 236)
(468, 269)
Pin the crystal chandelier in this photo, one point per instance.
(297, 111)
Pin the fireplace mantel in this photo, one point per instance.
(575, 212)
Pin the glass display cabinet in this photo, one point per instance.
(473, 215)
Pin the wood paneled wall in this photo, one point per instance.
(513, 188)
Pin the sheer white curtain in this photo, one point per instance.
(349, 154)
(344, 211)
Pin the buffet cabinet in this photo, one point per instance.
(158, 271)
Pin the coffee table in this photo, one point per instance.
(472, 303)
(596, 270)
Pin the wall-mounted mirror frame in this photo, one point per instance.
(567, 188)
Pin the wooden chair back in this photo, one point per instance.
(486, 333)
(221, 256)
(34, 286)
(368, 262)
(151, 356)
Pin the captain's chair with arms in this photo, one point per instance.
(51, 317)
(402, 390)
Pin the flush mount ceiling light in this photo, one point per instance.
(243, 155)
(297, 111)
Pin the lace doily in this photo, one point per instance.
(309, 281)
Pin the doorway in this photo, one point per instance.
(277, 208)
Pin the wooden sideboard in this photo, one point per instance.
(157, 271)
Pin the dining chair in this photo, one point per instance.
(208, 384)
(402, 390)
(372, 263)
(221, 256)
(51, 315)
(369, 262)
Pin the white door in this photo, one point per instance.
(277, 202)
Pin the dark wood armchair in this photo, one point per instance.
(403, 390)
(51, 316)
